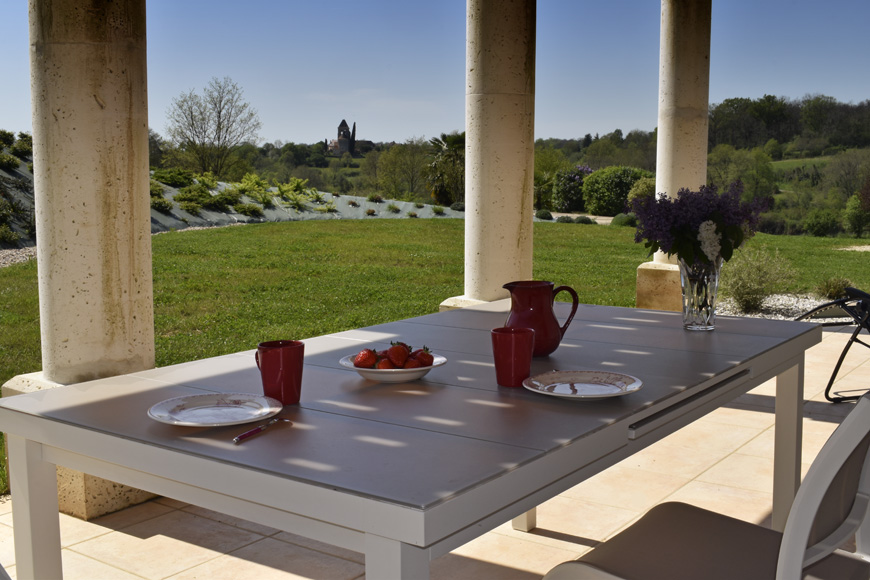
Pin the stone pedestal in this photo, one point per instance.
(658, 287)
(79, 494)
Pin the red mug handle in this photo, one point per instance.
(257, 358)
(574, 298)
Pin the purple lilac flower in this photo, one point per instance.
(672, 225)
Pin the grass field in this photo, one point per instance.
(224, 290)
(789, 164)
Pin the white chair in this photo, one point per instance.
(676, 541)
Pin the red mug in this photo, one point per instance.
(512, 351)
(280, 364)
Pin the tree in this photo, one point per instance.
(209, 127)
(446, 173)
(400, 169)
(855, 218)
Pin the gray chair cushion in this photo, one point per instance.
(675, 540)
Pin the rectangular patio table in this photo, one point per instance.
(406, 472)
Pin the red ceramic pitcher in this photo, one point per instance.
(532, 307)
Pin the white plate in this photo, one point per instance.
(214, 409)
(392, 375)
(583, 384)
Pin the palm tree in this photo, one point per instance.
(446, 173)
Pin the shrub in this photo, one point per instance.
(543, 214)
(419, 205)
(568, 188)
(161, 204)
(9, 162)
(370, 211)
(174, 177)
(23, 148)
(207, 179)
(296, 186)
(190, 207)
(753, 275)
(249, 209)
(296, 201)
(565, 219)
(375, 198)
(326, 208)
(821, 223)
(771, 223)
(7, 138)
(458, 206)
(585, 219)
(315, 196)
(7, 235)
(605, 192)
(257, 189)
(832, 288)
(624, 220)
(223, 200)
(352, 203)
(156, 188)
(437, 210)
(196, 193)
(642, 187)
(393, 208)
(412, 214)
(855, 217)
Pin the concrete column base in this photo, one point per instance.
(79, 494)
(459, 302)
(658, 287)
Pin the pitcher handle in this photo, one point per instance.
(576, 301)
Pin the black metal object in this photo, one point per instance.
(853, 309)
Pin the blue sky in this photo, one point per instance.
(397, 67)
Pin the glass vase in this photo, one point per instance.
(700, 285)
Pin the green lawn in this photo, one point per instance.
(224, 290)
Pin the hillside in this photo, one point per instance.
(16, 190)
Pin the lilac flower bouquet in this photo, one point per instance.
(700, 227)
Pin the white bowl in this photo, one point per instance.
(392, 375)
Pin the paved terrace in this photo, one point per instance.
(722, 462)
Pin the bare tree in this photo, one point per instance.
(210, 126)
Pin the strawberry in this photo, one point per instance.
(398, 353)
(385, 363)
(424, 356)
(366, 359)
(412, 363)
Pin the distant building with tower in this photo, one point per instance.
(346, 140)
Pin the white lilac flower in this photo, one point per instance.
(710, 240)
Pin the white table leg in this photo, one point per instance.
(788, 433)
(526, 522)
(392, 560)
(36, 528)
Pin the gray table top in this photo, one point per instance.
(420, 443)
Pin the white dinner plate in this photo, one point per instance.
(214, 409)
(583, 384)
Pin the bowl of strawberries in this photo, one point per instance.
(398, 364)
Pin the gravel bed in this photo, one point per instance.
(778, 306)
(15, 256)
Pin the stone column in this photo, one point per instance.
(499, 147)
(93, 216)
(681, 151)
